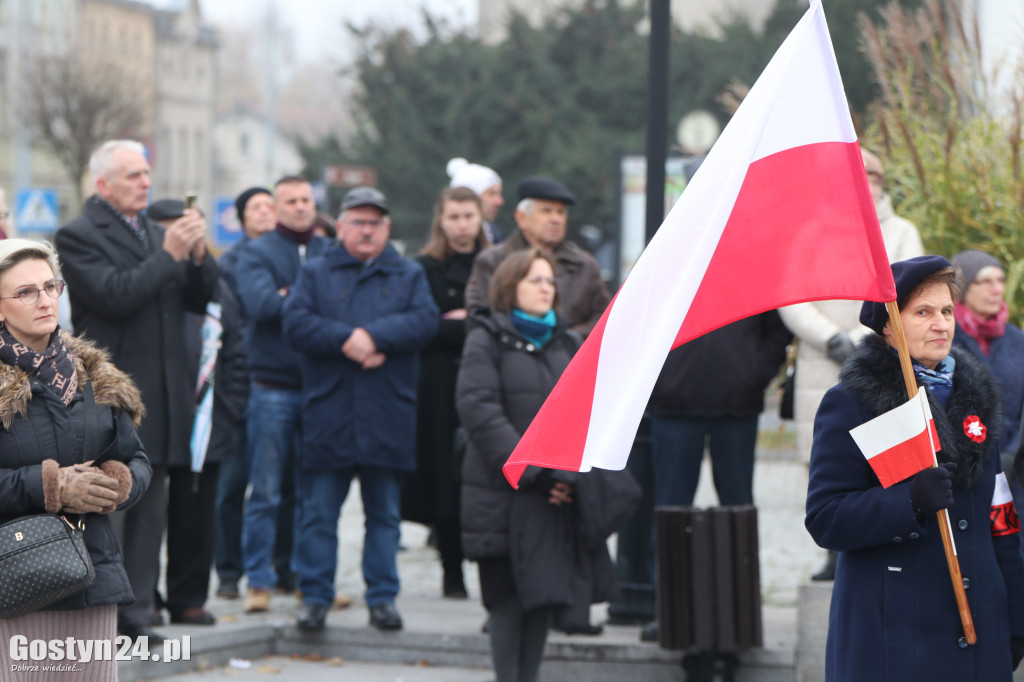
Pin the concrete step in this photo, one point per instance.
(445, 634)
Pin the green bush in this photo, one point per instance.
(951, 145)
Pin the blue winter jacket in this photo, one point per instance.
(353, 416)
(265, 266)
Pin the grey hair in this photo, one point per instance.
(526, 205)
(14, 251)
(100, 164)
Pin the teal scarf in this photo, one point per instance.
(536, 330)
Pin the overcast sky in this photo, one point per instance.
(316, 22)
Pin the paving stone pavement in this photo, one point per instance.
(787, 557)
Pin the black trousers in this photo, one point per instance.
(190, 531)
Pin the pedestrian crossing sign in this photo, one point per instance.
(36, 210)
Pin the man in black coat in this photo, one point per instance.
(131, 284)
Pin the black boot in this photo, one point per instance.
(828, 571)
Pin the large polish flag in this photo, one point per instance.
(901, 442)
(778, 213)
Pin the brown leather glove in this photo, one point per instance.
(78, 489)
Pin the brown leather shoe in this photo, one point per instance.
(257, 600)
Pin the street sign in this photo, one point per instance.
(229, 230)
(35, 210)
(350, 176)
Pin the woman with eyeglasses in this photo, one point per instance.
(431, 493)
(984, 331)
(62, 403)
(530, 544)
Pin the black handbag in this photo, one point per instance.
(43, 559)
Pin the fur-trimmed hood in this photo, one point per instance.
(874, 377)
(110, 385)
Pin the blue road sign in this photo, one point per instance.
(229, 230)
(35, 210)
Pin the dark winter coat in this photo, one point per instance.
(352, 416)
(503, 382)
(265, 266)
(894, 616)
(133, 304)
(231, 377)
(37, 426)
(432, 493)
(723, 373)
(558, 553)
(581, 289)
(1005, 360)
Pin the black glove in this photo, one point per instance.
(1016, 650)
(932, 489)
(840, 347)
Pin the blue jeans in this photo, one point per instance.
(273, 437)
(316, 538)
(232, 482)
(677, 450)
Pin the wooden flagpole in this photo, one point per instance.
(943, 514)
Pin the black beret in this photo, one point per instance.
(365, 196)
(907, 274)
(538, 187)
(166, 209)
(243, 199)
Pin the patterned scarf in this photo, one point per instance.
(939, 380)
(981, 329)
(54, 367)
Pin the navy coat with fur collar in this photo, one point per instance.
(893, 616)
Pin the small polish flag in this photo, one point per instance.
(1003, 514)
(901, 442)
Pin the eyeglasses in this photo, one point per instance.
(359, 222)
(536, 281)
(29, 295)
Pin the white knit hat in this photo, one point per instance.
(475, 177)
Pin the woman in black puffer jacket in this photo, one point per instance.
(510, 363)
(62, 403)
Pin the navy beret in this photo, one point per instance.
(537, 187)
(166, 209)
(243, 199)
(907, 274)
(365, 196)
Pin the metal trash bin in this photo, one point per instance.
(708, 582)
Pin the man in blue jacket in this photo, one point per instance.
(266, 269)
(359, 316)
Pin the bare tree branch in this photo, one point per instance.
(70, 105)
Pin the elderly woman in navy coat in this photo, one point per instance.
(894, 616)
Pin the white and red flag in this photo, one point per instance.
(900, 442)
(1003, 513)
(778, 213)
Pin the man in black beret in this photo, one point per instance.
(542, 213)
